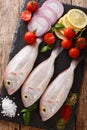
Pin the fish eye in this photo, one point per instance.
(26, 96)
(8, 83)
(44, 109)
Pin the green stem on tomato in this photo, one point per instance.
(81, 33)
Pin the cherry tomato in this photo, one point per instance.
(66, 43)
(49, 38)
(69, 33)
(81, 43)
(26, 15)
(32, 6)
(74, 52)
(30, 38)
(66, 112)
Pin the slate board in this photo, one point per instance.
(61, 63)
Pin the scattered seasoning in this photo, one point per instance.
(13, 98)
(18, 114)
(9, 107)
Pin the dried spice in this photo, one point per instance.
(61, 124)
(72, 100)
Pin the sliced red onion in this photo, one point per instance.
(55, 5)
(39, 24)
(48, 13)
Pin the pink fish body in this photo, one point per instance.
(38, 80)
(20, 66)
(57, 92)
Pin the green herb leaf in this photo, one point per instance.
(33, 107)
(52, 29)
(26, 117)
(59, 26)
(24, 110)
(27, 113)
(45, 49)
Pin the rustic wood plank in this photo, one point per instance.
(8, 126)
(9, 12)
(81, 119)
(82, 3)
(81, 116)
(66, 1)
(28, 128)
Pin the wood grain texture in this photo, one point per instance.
(82, 3)
(28, 128)
(8, 126)
(9, 13)
(81, 116)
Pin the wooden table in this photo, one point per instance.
(9, 13)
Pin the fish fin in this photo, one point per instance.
(75, 62)
(56, 51)
(38, 40)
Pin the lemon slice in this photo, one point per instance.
(59, 34)
(65, 21)
(67, 24)
(77, 18)
(61, 22)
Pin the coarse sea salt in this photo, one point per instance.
(9, 107)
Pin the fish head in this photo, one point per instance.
(47, 109)
(29, 95)
(10, 82)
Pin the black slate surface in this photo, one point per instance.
(61, 63)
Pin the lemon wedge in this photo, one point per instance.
(77, 18)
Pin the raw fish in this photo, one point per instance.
(20, 66)
(38, 80)
(57, 92)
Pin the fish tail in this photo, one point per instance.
(38, 41)
(56, 51)
(75, 62)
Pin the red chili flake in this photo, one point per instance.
(66, 112)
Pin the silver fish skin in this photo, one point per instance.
(20, 66)
(57, 92)
(38, 80)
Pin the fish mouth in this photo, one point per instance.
(46, 118)
(26, 104)
(10, 92)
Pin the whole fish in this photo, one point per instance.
(38, 80)
(57, 92)
(20, 66)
